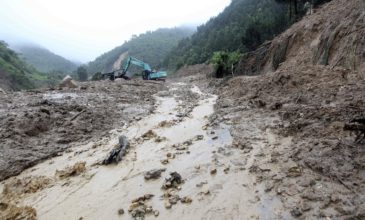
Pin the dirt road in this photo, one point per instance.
(178, 139)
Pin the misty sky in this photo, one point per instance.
(81, 30)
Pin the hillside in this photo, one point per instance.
(151, 47)
(306, 102)
(44, 60)
(15, 74)
(242, 26)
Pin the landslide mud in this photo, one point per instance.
(39, 124)
(177, 138)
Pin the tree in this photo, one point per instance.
(82, 73)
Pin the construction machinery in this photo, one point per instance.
(147, 73)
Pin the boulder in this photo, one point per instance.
(68, 82)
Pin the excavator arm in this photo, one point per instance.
(147, 73)
(131, 60)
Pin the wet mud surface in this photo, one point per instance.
(36, 125)
(179, 164)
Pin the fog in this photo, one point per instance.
(81, 30)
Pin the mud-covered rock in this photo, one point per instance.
(117, 154)
(74, 170)
(13, 212)
(154, 174)
(172, 181)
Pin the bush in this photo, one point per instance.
(224, 62)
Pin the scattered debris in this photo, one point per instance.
(149, 135)
(139, 207)
(117, 154)
(30, 184)
(75, 170)
(12, 212)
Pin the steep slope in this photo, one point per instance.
(44, 60)
(242, 26)
(295, 115)
(14, 73)
(151, 47)
(320, 38)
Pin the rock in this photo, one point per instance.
(199, 137)
(170, 155)
(120, 211)
(173, 199)
(294, 171)
(215, 138)
(68, 82)
(226, 170)
(168, 205)
(201, 184)
(117, 154)
(296, 212)
(149, 209)
(213, 171)
(156, 213)
(142, 198)
(186, 199)
(154, 174)
(164, 161)
(172, 181)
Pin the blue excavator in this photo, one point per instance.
(147, 73)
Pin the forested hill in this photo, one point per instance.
(44, 60)
(242, 26)
(16, 74)
(151, 47)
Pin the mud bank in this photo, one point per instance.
(36, 125)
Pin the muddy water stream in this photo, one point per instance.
(101, 191)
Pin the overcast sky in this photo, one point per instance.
(83, 29)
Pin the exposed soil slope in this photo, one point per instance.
(334, 35)
(321, 172)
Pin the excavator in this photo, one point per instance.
(147, 73)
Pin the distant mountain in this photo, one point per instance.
(44, 60)
(151, 47)
(16, 74)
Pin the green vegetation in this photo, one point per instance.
(151, 47)
(44, 60)
(15, 74)
(82, 73)
(241, 27)
(224, 62)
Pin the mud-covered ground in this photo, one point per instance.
(39, 124)
(293, 123)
